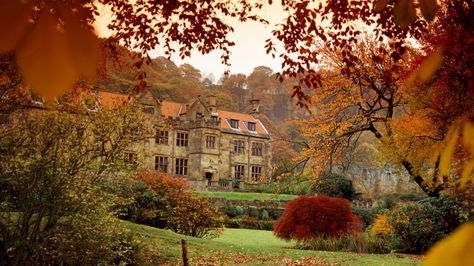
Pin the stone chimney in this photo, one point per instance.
(255, 108)
(212, 103)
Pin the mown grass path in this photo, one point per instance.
(253, 247)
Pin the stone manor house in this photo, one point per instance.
(211, 148)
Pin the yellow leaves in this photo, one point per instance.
(53, 50)
(467, 129)
(14, 17)
(454, 250)
(468, 140)
(428, 67)
(404, 13)
(381, 226)
(428, 9)
(447, 154)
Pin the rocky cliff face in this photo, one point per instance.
(376, 181)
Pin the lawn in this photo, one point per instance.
(253, 247)
(246, 196)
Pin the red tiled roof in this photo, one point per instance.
(174, 109)
(110, 99)
(242, 118)
(171, 108)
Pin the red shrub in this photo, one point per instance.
(307, 217)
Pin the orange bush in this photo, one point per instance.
(381, 226)
(308, 217)
(166, 202)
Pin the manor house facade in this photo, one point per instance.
(207, 146)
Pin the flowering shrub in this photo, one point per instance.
(309, 217)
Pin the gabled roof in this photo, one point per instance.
(174, 109)
(171, 108)
(242, 118)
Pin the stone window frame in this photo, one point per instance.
(211, 141)
(252, 126)
(257, 148)
(161, 163)
(256, 172)
(239, 146)
(162, 137)
(234, 123)
(182, 139)
(239, 171)
(199, 116)
(181, 166)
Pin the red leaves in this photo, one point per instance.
(307, 217)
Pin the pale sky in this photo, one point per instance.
(248, 52)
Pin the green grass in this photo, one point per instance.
(251, 247)
(246, 196)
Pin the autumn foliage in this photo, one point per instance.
(166, 202)
(381, 226)
(309, 217)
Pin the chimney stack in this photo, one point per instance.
(212, 103)
(255, 107)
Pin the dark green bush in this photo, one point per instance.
(253, 211)
(335, 185)
(417, 226)
(253, 223)
(265, 216)
(365, 215)
(233, 211)
(275, 213)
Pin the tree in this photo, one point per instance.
(367, 99)
(50, 162)
(334, 185)
(236, 85)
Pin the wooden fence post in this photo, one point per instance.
(184, 247)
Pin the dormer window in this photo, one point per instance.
(251, 126)
(214, 118)
(234, 123)
(199, 116)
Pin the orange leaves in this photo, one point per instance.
(44, 59)
(428, 9)
(381, 5)
(404, 12)
(51, 53)
(13, 23)
(428, 67)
